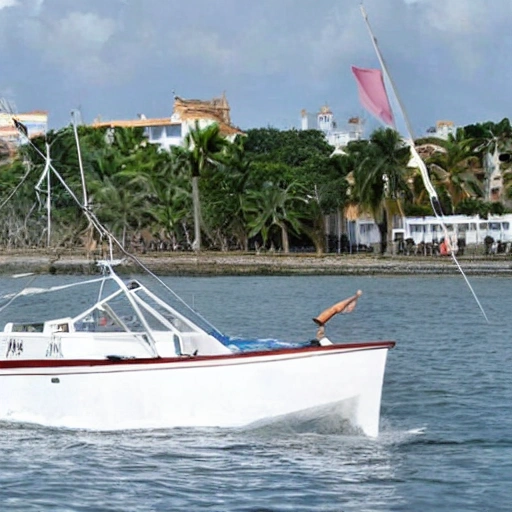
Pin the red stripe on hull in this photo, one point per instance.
(69, 363)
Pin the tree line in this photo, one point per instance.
(267, 189)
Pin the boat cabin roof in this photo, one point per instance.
(130, 308)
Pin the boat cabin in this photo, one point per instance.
(131, 322)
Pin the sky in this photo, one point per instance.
(450, 59)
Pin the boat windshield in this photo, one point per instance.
(100, 320)
(151, 303)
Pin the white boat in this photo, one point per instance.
(133, 361)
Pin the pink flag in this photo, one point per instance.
(372, 93)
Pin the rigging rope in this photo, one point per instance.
(16, 188)
(104, 232)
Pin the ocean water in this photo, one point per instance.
(446, 420)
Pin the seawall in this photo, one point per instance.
(251, 264)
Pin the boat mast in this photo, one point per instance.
(104, 232)
(85, 205)
(386, 72)
(428, 185)
(434, 201)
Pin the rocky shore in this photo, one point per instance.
(252, 264)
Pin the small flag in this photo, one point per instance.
(20, 126)
(372, 93)
(345, 306)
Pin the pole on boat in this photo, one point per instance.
(48, 198)
(80, 163)
(150, 338)
(436, 207)
(103, 231)
(46, 176)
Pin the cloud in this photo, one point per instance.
(204, 46)
(461, 27)
(7, 3)
(74, 42)
(271, 57)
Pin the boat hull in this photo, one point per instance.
(217, 391)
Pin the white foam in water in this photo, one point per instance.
(391, 435)
(417, 431)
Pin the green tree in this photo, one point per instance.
(454, 169)
(223, 192)
(379, 177)
(274, 206)
(203, 150)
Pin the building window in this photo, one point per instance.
(156, 132)
(173, 130)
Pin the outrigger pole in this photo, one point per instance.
(103, 231)
(434, 201)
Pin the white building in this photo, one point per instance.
(36, 123)
(325, 122)
(171, 131)
(442, 130)
(420, 234)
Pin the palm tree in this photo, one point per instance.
(274, 206)
(167, 191)
(118, 205)
(454, 168)
(202, 151)
(224, 194)
(493, 144)
(379, 179)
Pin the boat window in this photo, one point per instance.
(416, 228)
(462, 228)
(449, 227)
(506, 226)
(494, 225)
(436, 228)
(483, 225)
(39, 327)
(472, 227)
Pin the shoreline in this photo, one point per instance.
(216, 264)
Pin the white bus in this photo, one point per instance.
(473, 230)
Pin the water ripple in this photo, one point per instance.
(445, 441)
